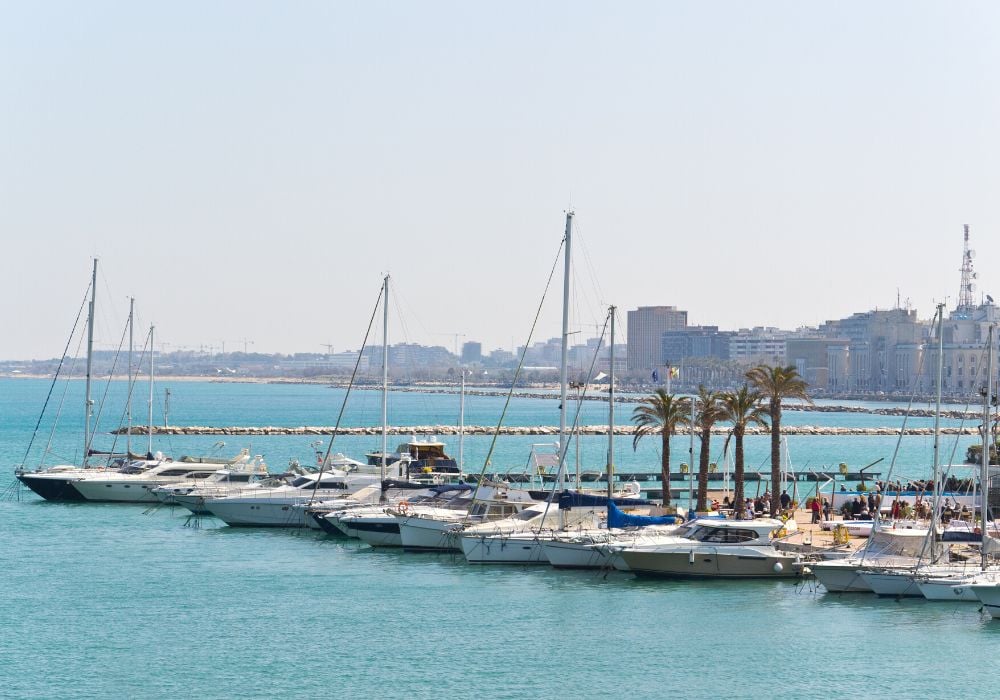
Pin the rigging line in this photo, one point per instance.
(107, 387)
(350, 385)
(582, 299)
(517, 372)
(595, 279)
(55, 379)
(71, 371)
(564, 449)
(133, 378)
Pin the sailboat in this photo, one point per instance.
(899, 581)
(56, 483)
(955, 582)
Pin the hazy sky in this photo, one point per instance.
(249, 170)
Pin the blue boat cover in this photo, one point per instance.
(617, 518)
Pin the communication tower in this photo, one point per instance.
(965, 301)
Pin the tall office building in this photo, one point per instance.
(472, 352)
(646, 326)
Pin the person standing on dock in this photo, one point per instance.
(814, 507)
(786, 500)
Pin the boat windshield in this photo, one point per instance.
(724, 535)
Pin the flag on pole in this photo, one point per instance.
(656, 376)
(675, 372)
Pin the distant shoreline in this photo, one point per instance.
(595, 393)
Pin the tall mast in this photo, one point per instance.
(89, 404)
(149, 425)
(984, 476)
(937, 423)
(610, 470)
(131, 382)
(461, 426)
(385, 372)
(692, 502)
(563, 364)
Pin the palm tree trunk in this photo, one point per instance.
(738, 475)
(775, 457)
(665, 469)
(706, 437)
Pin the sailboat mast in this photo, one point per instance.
(610, 470)
(385, 372)
(564, 360)
(149, 425)
(89, 404)
(131, 382)
(461, 427)
(937, 422)
(984, 476)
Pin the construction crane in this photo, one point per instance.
(456, 336)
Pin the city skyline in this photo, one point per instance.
(251, 175)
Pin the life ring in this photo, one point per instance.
(403, 507)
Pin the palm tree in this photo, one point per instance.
(708, 410)
(777, 383)
(660, 414)
(742, 408)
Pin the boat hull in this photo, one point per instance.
(426, 535)
(840, 578)
(948, 589)
(989, 595)
(710, 562)
(498, 549)
(52, 487)
(892, 584)
(257, 514)
(575, 555)
(102, 491)
(377, 533)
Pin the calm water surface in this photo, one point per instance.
(112, 601)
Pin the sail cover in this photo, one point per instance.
(618, 518)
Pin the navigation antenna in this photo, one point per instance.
(968, 275)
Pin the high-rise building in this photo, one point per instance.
(646, 326)
(472, 352)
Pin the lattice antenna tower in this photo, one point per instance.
(968, 275)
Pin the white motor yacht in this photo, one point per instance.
(274, 507)
(717, 548)
(134, 486)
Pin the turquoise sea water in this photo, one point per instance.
(108, 601)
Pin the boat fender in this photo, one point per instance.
(691, 557)
(778, 568)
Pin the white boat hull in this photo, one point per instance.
(502, 549)
(712, 562)
(989, 595)
(840, 578)
(956, 588)
(575, 555)
(117, 492)
(427, 535)
(896, 584)
(261, 513)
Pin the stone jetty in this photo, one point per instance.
(514, 430)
